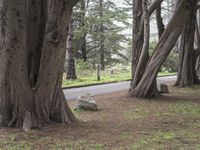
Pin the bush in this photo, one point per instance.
(171, 64)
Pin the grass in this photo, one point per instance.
(122, 123)
(90, 77)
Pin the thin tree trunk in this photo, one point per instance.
(71, 71)
(83, 48)
(102, 47)
(137, 40)
(159, 20)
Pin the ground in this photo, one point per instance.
(121, 123)
(90, 77)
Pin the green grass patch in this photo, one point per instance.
(136, 113)
(90, 77)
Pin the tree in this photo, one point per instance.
(140, 50)
(80, 26)
(168, 39)
(23, 104)
(197, 41)
(103, 26)
(102, 38)
(71, 71)
(187, 75)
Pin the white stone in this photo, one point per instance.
(86, 102)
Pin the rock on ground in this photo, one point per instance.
(86, 102)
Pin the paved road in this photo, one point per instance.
(71, 94)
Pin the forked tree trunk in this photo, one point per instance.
(71, 71)
(25, 102)
(187, 75)
(140, 51)
(165, 45)
(144, 54)
(187, 60)
(138, 30)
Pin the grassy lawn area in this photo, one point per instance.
(121, 123)
(90, 77)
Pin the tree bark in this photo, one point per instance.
(71, 71)
(197, 41)
(138, 29)
(187, 61)
(144, 56)
(48, 88)
(83, 48)
(25, 102)
(137, 40)
(102, 48)
(159, 20)
(37, 17)
(165, 44)
(140, 45)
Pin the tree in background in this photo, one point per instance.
(101, 27)
(71, 71)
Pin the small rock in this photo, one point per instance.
(86, 102)
(164, 88)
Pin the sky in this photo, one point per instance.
(153, 25)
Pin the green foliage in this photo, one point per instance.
(87, 74)
(87, 24)
(171, 64)
(83, 68)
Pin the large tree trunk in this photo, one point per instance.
(165, 45)
(187, 61)
(25, 102)
(16, 94)
(71, 71)
(138, 30)
(140, 51)
(144, 54)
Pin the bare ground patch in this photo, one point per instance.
(121, 123)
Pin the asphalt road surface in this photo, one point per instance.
(73, 93)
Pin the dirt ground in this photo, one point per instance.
(170, 122)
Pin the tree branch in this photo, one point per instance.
(197, 52)
(154, 6)
(73, 2)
